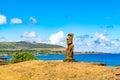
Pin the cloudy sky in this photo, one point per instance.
(95, 23)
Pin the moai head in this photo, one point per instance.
(70, 38)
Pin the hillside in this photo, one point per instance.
(58, 70)
(26, 45)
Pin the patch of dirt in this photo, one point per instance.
(58, 70)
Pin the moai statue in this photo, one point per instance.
(69, 49)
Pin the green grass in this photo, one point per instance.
(20, 57)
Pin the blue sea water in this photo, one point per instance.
(109, 59)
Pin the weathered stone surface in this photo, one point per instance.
(99, 64)
(69, 49)
(3, 62)
(69, 60)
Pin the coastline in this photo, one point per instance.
(91, 52)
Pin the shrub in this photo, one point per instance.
(20, 57)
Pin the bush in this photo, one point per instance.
(20, 57)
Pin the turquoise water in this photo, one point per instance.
(109, 59)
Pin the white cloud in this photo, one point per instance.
(98, 42)
(29, 35)
(101, 37)
(57, 38)
(16, 21)
(39, 40)
(33, 20)
(3, 19)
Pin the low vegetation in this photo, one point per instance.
(9, 48)
(20, 57)
(26, 45)
(32, 51)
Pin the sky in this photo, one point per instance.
(95, 23)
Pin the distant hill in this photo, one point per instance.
(26, 45)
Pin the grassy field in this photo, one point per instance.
(10, 48)
(58, 70)
(33, 51)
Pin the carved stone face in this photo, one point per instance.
(69, 38)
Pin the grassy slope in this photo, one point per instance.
(26, 45)
(53, 70)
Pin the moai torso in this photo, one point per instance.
(70, 48)
(69, 51)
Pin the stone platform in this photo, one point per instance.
(69, 60)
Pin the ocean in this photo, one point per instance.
(108, 59)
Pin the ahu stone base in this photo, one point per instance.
(69, 60)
